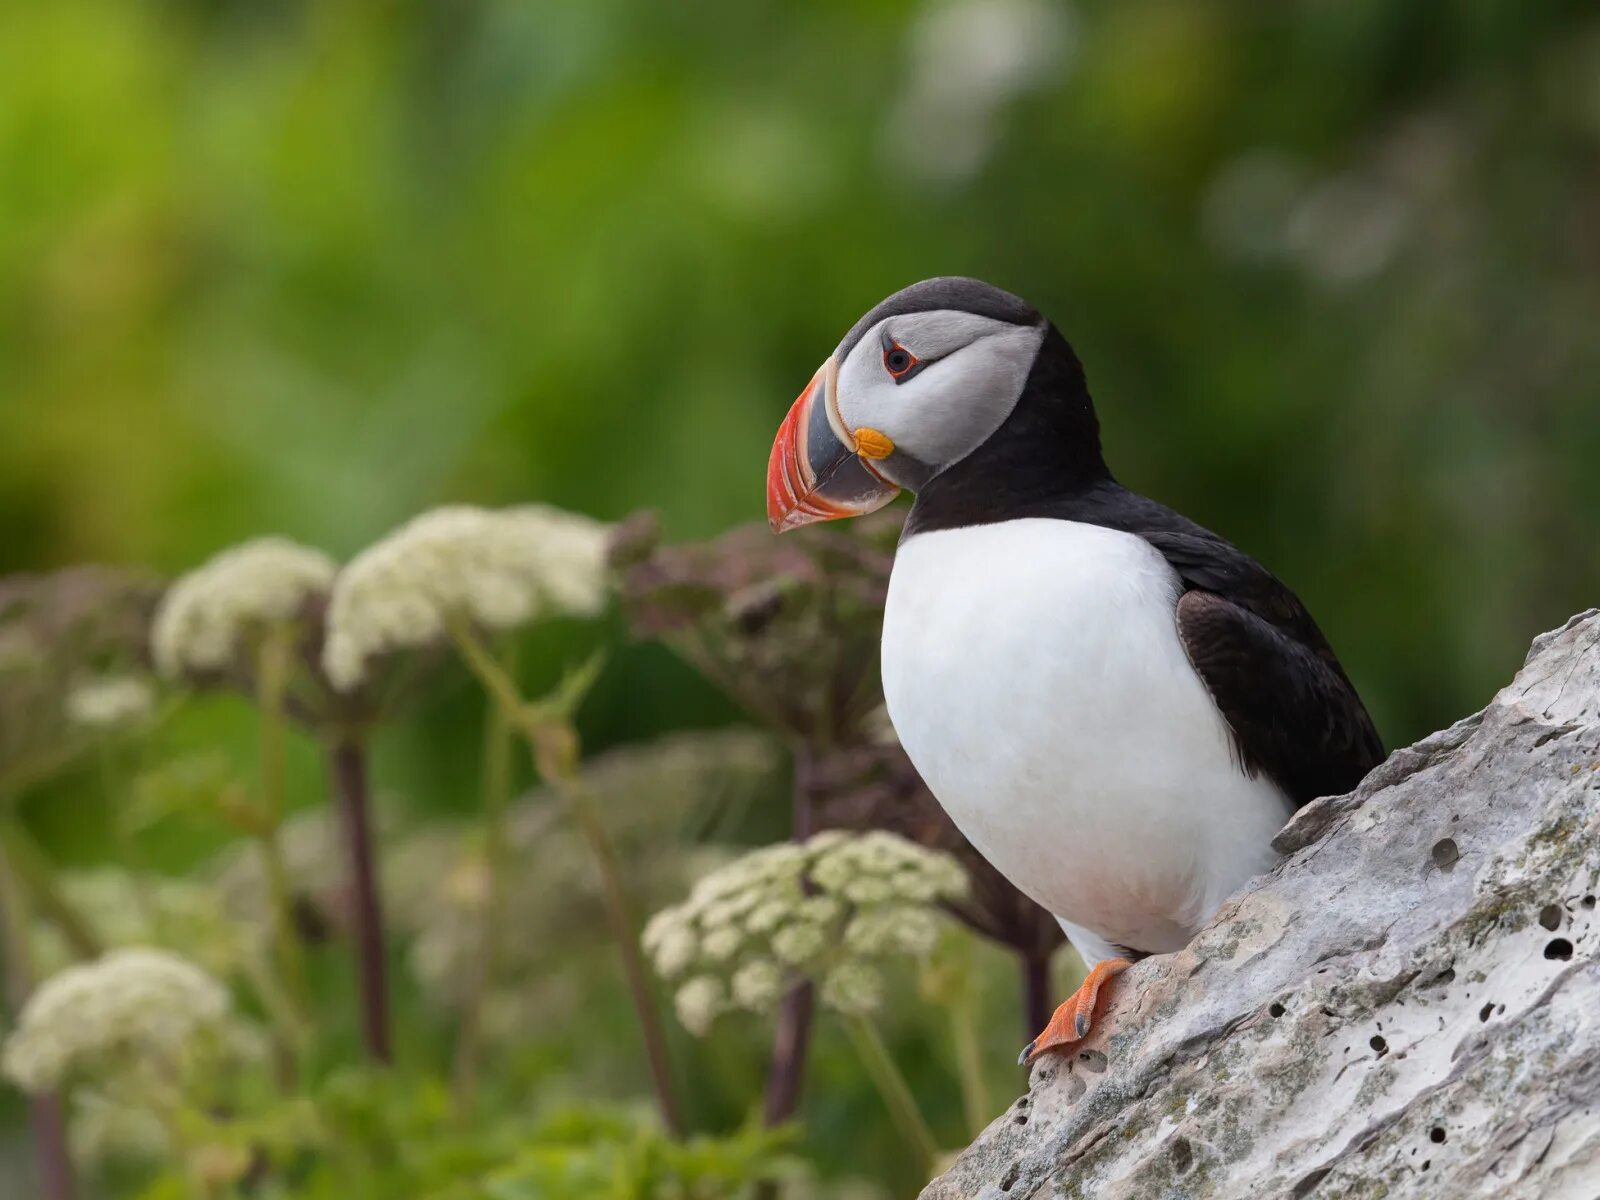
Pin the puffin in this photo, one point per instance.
(1118, 708)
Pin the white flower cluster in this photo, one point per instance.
(498, 568)
(208, 613)
(136, 1009)
(113, 702)
(831, 909)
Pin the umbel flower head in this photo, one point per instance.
(136, 1011)
(209, 615)
(833, 908)
(496, 568)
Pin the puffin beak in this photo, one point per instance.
(819, 471)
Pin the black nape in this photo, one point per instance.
(1046, 451)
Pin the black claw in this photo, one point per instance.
(1027, 1052)
(1081, 1024)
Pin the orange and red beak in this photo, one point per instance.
(819, 471)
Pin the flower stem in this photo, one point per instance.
(627, 939)
(288, 1033)
(494, 678)
(497, 747)
(789, 1046)
(285, 968)
(128, 846)
(347, 764)
(896, 1093)
(969, 1065)
(792, 1039)
(48, 1117)
(272, 682)
(31, 869)
(272, 676)
(554, 747)
(16, 972)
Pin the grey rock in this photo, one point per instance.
(1407, 1006)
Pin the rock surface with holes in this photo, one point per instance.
(1407, 1006)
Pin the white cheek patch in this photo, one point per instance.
(975, 374)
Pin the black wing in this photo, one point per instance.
(1294, 714)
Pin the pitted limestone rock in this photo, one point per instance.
(1408, 1006)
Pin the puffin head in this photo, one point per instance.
(919, 384)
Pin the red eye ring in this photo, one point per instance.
(898, 361)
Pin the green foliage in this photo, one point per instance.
(308, 268)
(403, 1138)
(504, 930)
(599, 1154)
(368, 1135)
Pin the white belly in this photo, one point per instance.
(1034, 674)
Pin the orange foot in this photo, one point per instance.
(1071, 1021)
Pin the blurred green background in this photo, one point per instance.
(1334, 269)
(309, 268)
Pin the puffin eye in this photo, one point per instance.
(898, 361)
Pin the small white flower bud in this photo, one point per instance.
(852, 988)
(757, 985)
(722, 944)
(900, 929)
(798, 943)
(700, 1002)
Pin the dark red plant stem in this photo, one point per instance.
(348, 766)
(45, 1117)
(1037, 1002)
(50, 1147)
(633, 968)
(793, 1037)
(789, 1055)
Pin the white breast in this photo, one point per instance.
(1034, 674)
